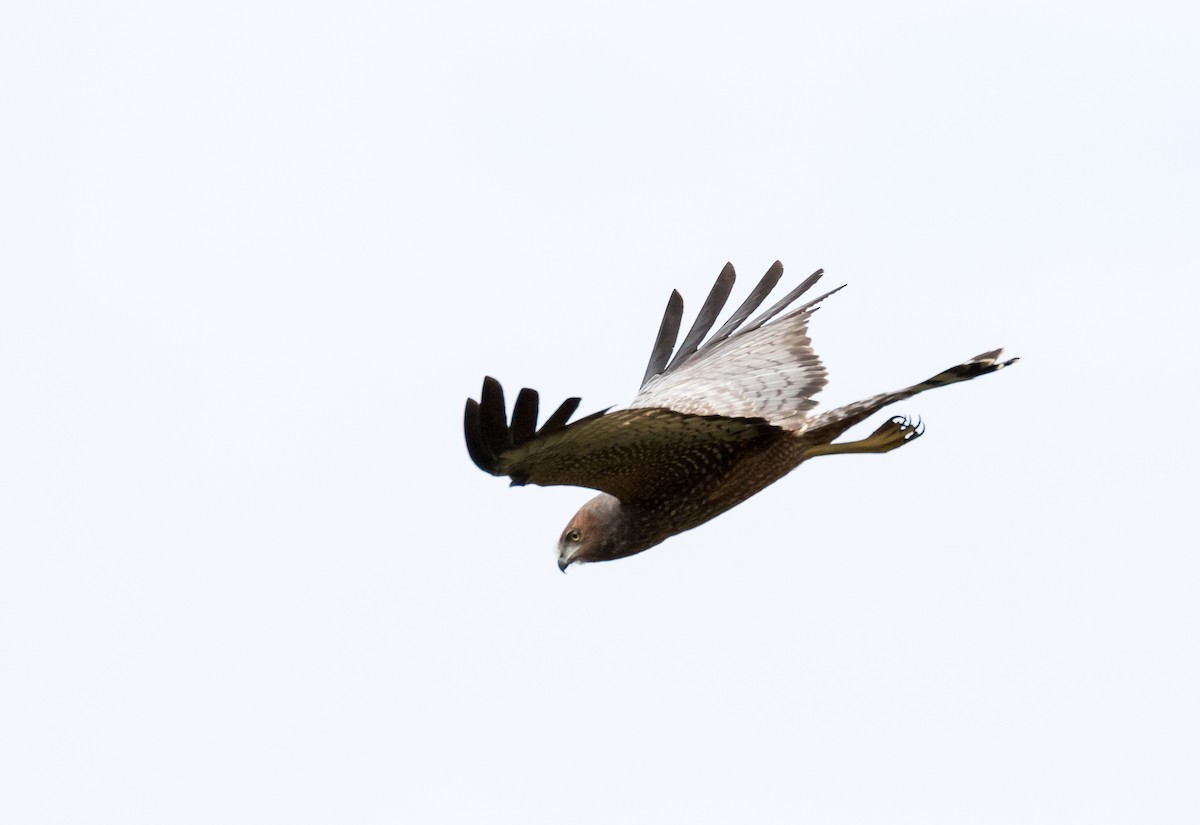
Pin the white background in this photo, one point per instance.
(255, 255)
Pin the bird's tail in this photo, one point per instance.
(835, 422)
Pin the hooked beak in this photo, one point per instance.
(563, 564)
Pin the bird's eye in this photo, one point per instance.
(574, 535)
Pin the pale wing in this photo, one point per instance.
(630, 454)
(766, 369)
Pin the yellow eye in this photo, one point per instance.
(574, 535)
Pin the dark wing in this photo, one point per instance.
(631, 454)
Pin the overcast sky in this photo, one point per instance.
(255, 255)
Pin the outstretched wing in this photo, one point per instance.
(765, 369)
(633, 454)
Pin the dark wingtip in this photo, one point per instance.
(489, 434)
(477, 446)
(524, 417)
(705, 319)
(492, 417)
(664, 342)
(561, 416)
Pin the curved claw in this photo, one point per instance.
(909, 427)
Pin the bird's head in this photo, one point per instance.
(600, 531)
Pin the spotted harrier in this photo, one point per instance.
(710, 427)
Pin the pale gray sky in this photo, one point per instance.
(255, 256)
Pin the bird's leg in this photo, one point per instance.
(894, 433)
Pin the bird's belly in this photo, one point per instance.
(709, 498)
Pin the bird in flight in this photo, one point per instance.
(711, 426)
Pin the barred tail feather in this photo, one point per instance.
(843, 418)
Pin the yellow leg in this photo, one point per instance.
(895, 433)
